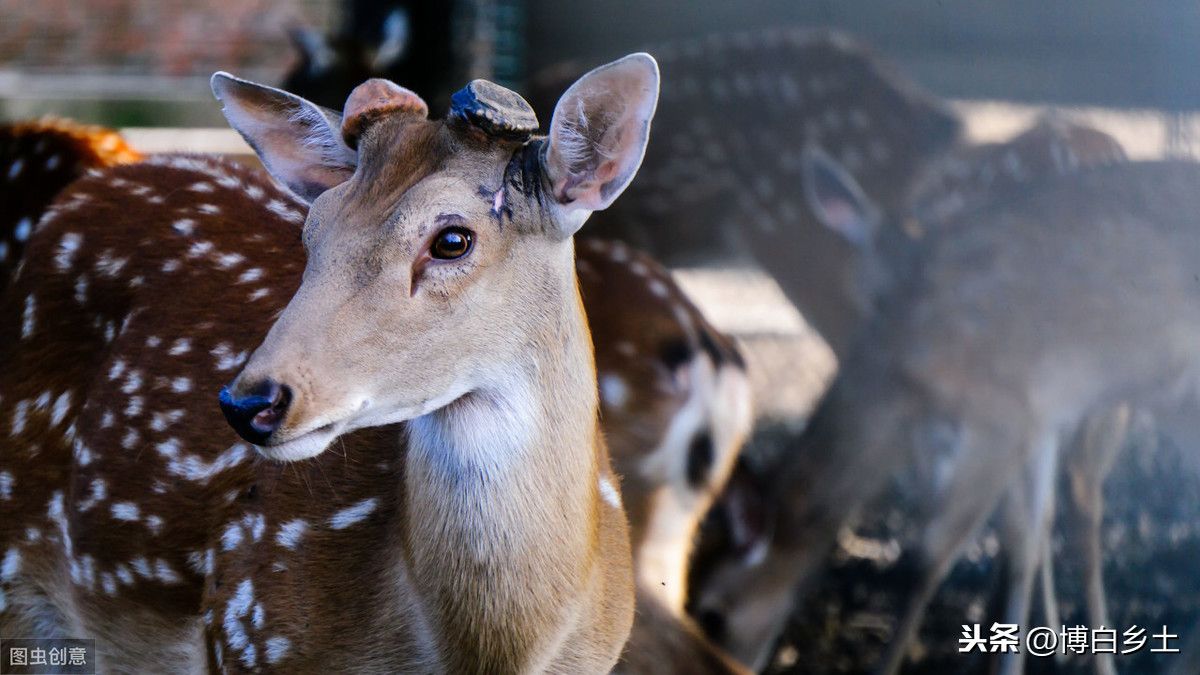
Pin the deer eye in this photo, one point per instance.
(451, 243)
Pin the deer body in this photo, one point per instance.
(954, 191)
(1017, 326)
(485, 534)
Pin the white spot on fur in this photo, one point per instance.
(613, 390)
(98, 493)
(250, 275)
(181, 346)
(110, 266)
(6, 485)
(55, 512)
(11, 564)
(249, 656)
(181, 385)
(154, 524)
(28, 317)
(161, 420)
(238, 607)
(142, 567)
(259, 294)
(228, 260)
(259, 616)
(124, 575)
(352, 515)
(609, 493)
(280, 209)
(20, 416)
(195, 468)
(67, 248)
(226, 359)
(232, 537)
(165, 573)
(170, 266)
(291, 532)
(133, 382)
(200, 248)
(127, 511)
(83, 454)
(23, 228)
(81, 289)
(62, 406)
(277, 648)
(108, 582)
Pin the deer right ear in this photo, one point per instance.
(836, 199)
(299, 142)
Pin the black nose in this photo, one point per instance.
(258, 412)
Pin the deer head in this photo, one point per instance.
(440, 257)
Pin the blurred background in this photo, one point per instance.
(146, 63)
(1126, 68)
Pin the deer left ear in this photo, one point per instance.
(598, 134)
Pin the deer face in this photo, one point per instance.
(440, 259)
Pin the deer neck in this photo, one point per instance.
(501, 502)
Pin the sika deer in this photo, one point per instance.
(747, 603)
(488, 523)
(672, 384)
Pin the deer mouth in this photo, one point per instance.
(308, 444)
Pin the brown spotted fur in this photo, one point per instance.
(38, 159)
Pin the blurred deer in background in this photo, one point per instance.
(500, 548)
(722, 170)
(1028, 325)
(743, 602)
(675, 408)
(398, 40)
(37, 160)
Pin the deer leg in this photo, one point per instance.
(1049, 595)
(1027, 531)
(1097, 444)
(972, 495)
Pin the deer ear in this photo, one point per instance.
(598, 134)
(298, 141)
(836, 199)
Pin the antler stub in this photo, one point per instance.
(497, 111)
(373, 98)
